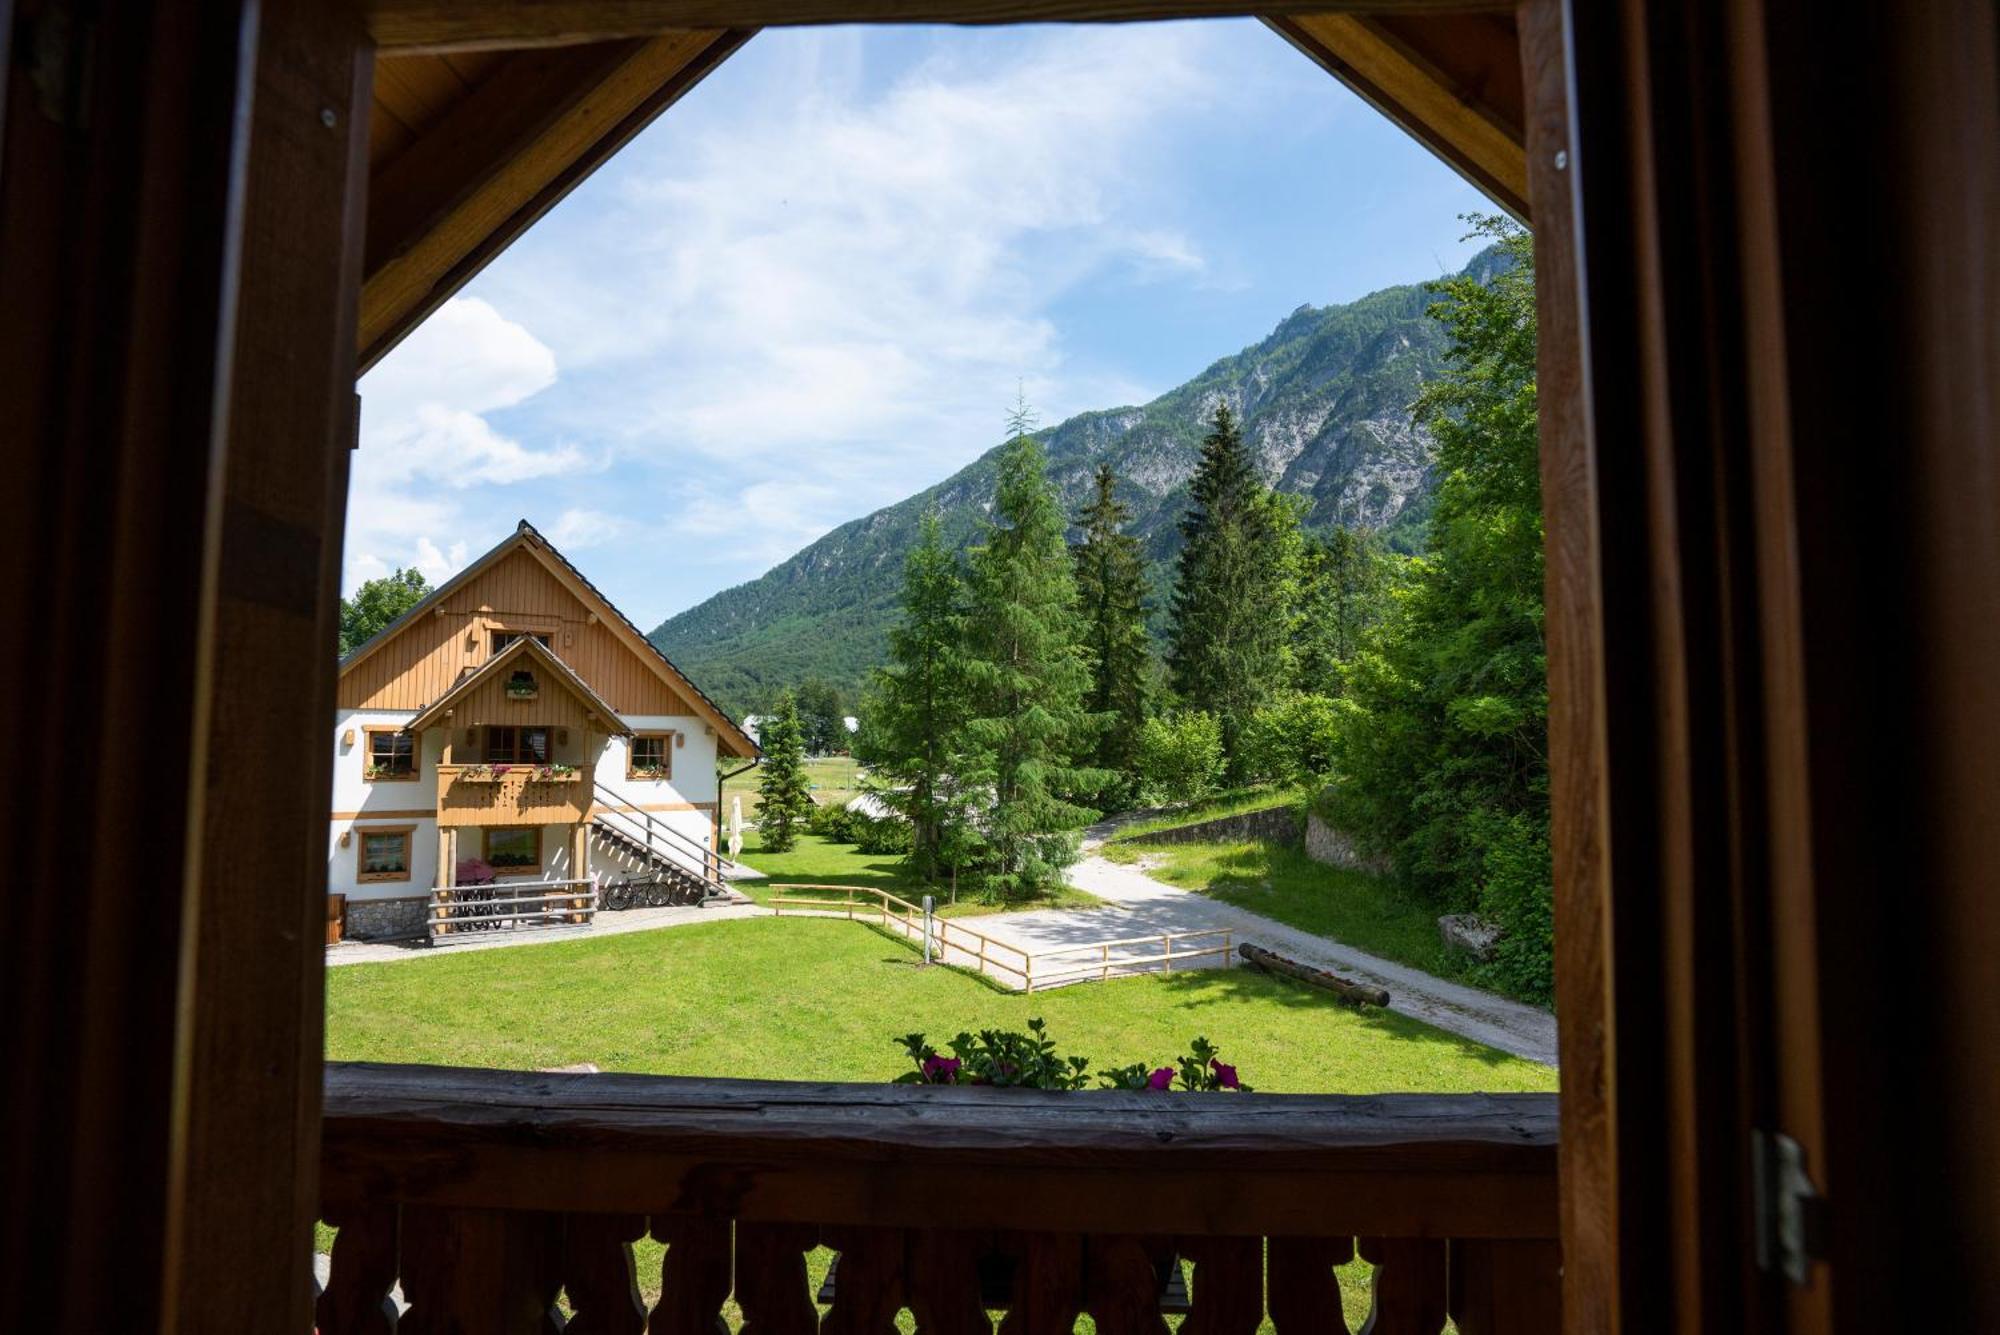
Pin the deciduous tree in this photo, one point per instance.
(377, 603)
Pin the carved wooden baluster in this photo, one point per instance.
(1304, 1291)
(1122, 1284)
(868, 1284)
(1048, 1284)
(942, 1282)
(1506, 1286)
(599, 1275)
(694, 1275)
(1228, 1285)
(1409, 1286)
(356, 1300)
(771, 1279)
(479, 1272)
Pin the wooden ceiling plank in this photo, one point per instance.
(453, 25)
(502, 157)
(417, 90)
(1482, 140)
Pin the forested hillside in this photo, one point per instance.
(1324, 405)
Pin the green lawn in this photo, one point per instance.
(1356, 908)
(804, 999)
(822, 862)
(834, 779)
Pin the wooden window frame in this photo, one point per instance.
(486, 833)
(368, 775)
(486, 756)
(362, 876)
(499, 639)
(665, 773)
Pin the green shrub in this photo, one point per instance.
(881, 834)
(835, 823)
(1180, 756)
(1292, 740)
(1514, 894)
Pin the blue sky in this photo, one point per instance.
(812, 287)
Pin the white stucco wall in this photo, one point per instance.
(359, 804)
(687, 800)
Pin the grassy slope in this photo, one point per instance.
(1355, 908)
(787, 998)
(835, 779)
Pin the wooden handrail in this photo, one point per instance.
(1030, 975)
(475, 1186)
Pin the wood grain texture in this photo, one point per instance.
(120, 222)
(1048, 1283)
(1121, 1282)
(1303, 1294)
(1408, 1289)
(1452, 82)
(1573, 598)
(479, 1272)
(366, 1260)
(458, 25)
(694, 1275)
(599, 1276)
(942, 1282)
(502, 157)
(1228, 1285)
(868, 1289)
(1467, 1165)
(1502, 1287)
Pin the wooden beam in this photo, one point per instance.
(445, 206)
(1472, 1165)
(1437, 79)
(120, 220)
(460, 25)
(249, 1193)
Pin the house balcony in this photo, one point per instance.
(512, 795)
(489, 1194)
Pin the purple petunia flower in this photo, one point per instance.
(1163, 1078)
(1225, 1074)
(941, 1070)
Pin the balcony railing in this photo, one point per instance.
(499, 1198)
(510, 795)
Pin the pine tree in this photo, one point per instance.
(1228, 643)
(785, 803)
(1030, 675)
(917, 709)
(1111, 595)
(1343, 592)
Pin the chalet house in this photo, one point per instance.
(514, 726)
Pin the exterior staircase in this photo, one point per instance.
(672, 867)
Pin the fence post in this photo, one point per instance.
(928, 901)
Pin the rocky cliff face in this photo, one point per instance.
(1325, 405)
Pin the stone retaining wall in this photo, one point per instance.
(1328, 845)
(1274, 825)
(385, 919)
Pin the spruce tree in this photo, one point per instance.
(1032, 734)
(917, 710)
(785, 803)
(1232, 619)
(1343, 592)
(1111, 595)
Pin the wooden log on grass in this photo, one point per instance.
(1358, 993)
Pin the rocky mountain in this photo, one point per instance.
(1325, 405)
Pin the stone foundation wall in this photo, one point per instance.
(1328, 845)
(385, 919)
(1272, 825)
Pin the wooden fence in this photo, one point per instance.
(957, 943)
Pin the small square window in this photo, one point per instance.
(651, 756)
(392, 755)
(514, 848)
(383, 855)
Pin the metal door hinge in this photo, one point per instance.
(1791, 1213)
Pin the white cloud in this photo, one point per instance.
(843, 267)
(578, 528)
(426, 439)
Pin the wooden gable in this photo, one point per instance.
(419, 661)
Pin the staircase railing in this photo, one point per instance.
(616, 813)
